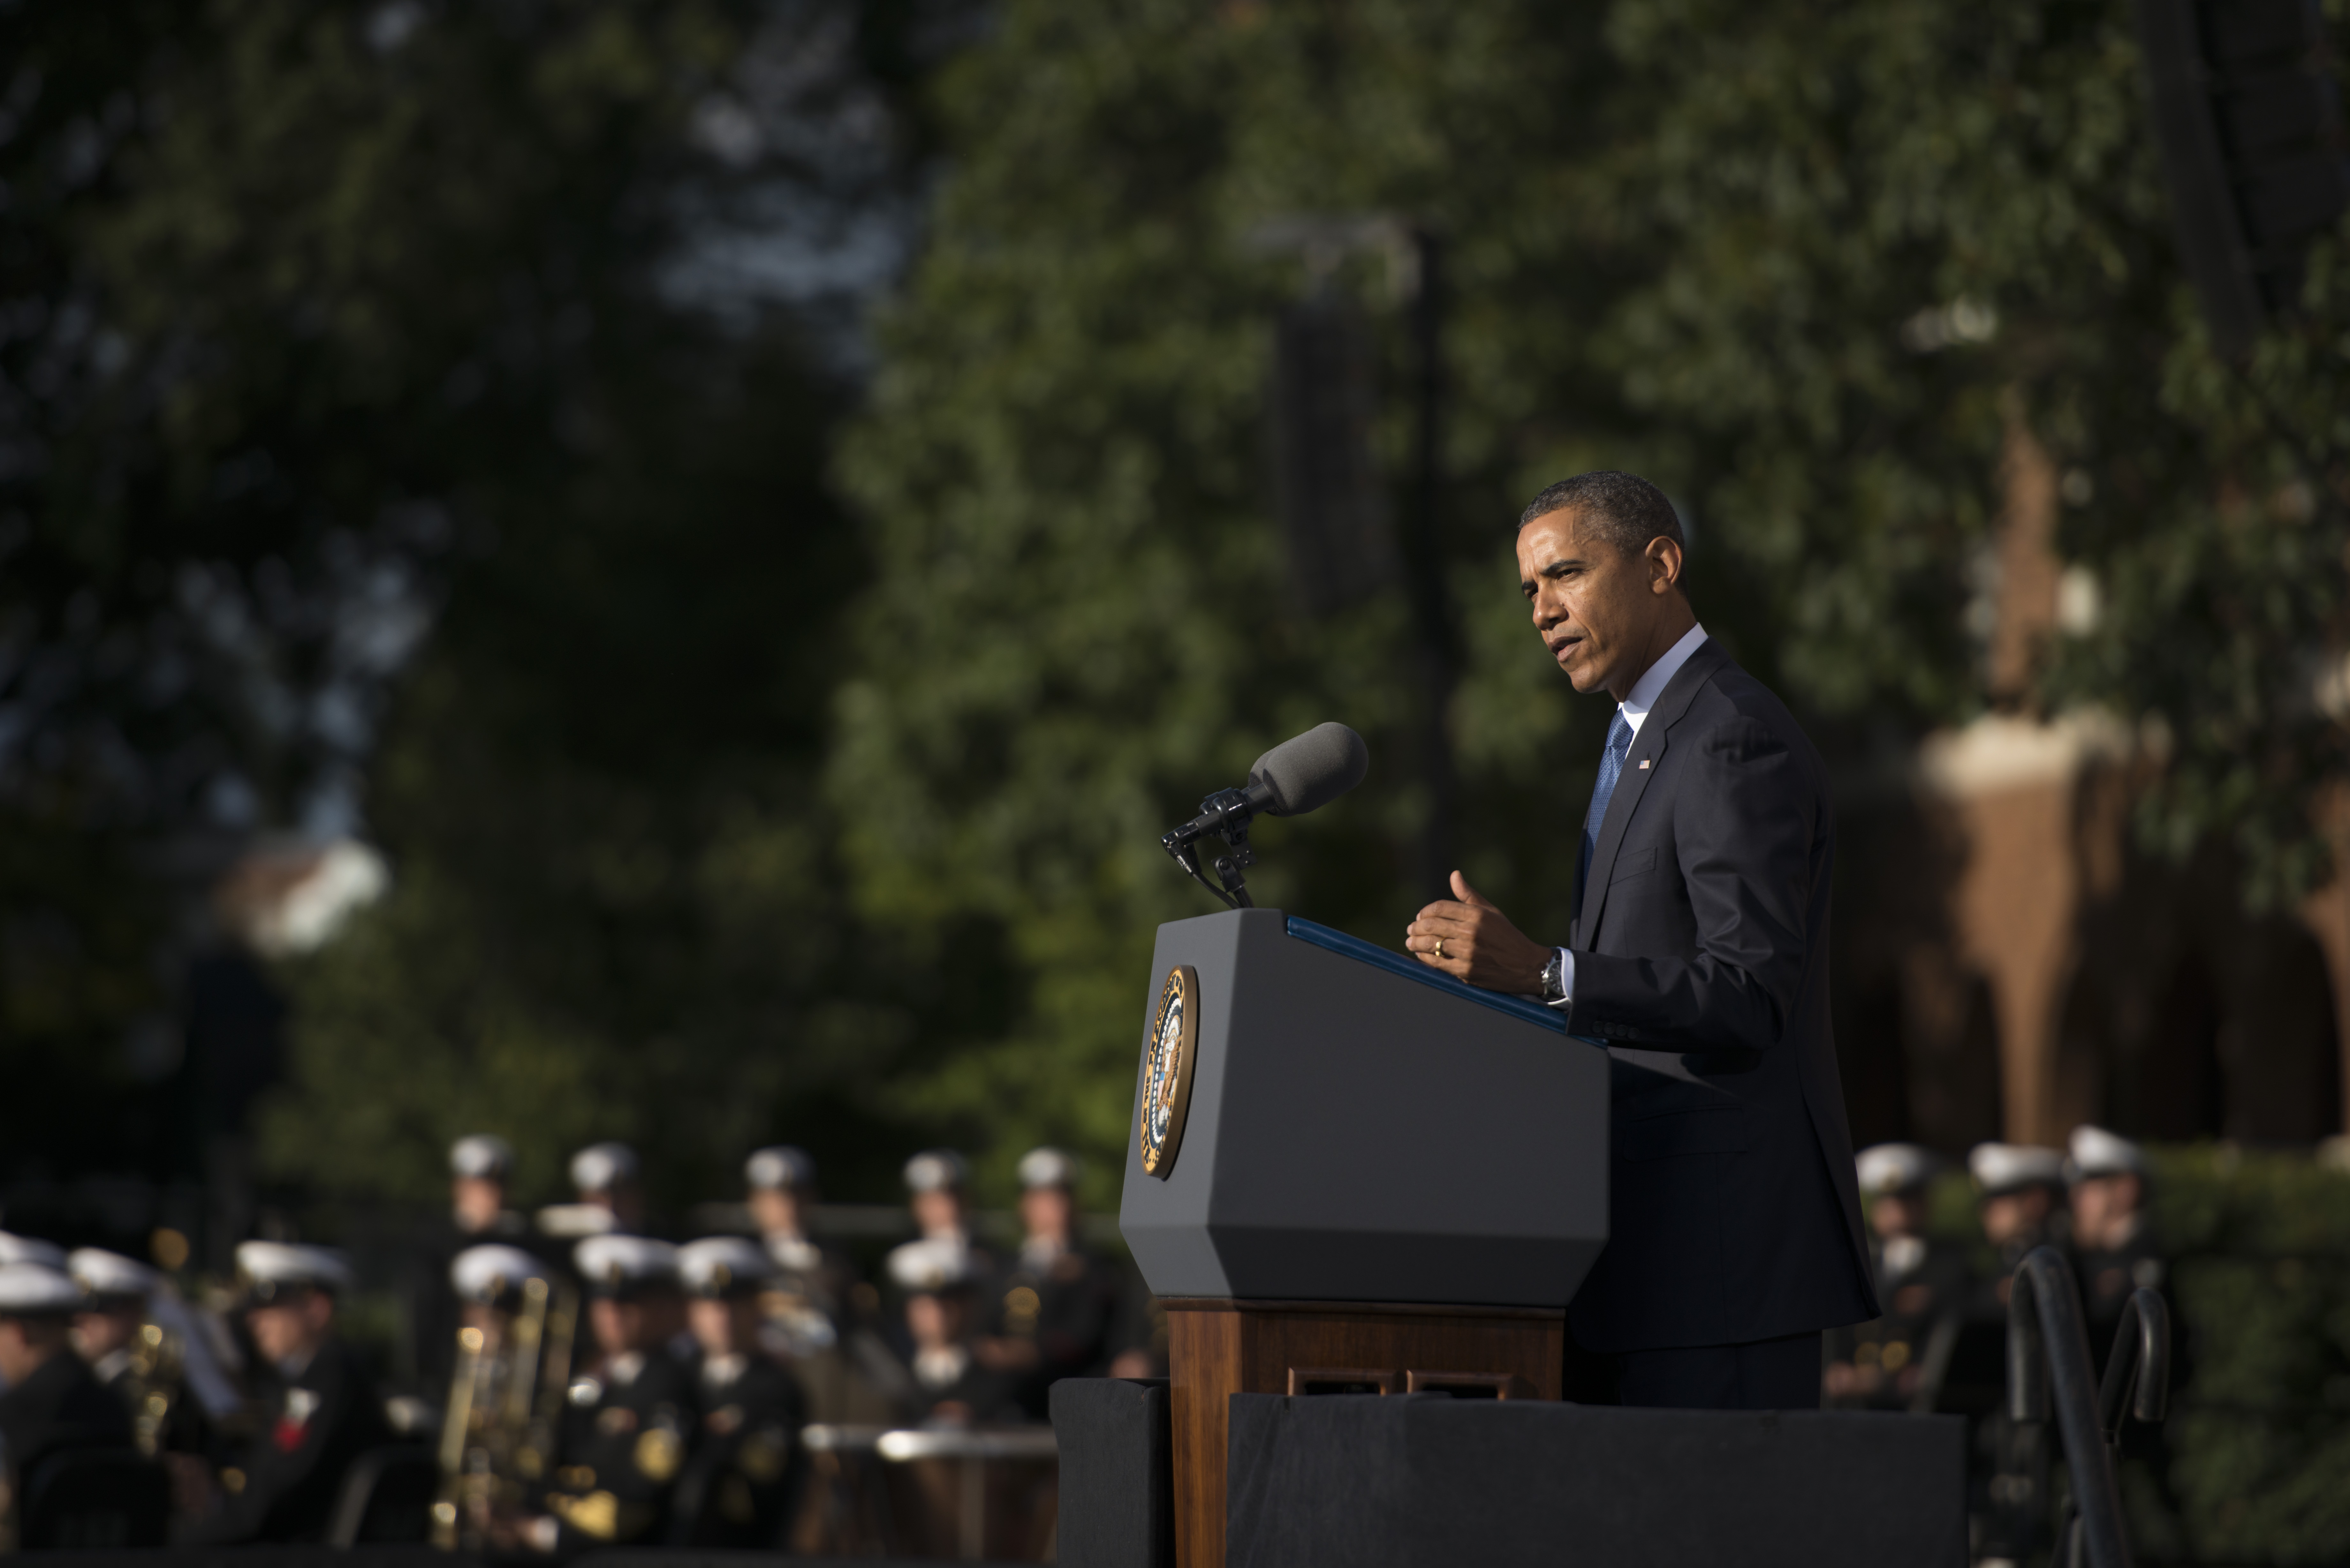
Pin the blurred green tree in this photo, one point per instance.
(526, 322)
(1815, 269)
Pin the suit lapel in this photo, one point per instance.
(1640, 765)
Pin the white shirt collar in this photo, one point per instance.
(1653, 682)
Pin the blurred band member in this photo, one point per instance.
(2018, 1186)
(1052, 1307)
(284, 1482)
(608, 1176)
(478, 1169)
(1894, 1362)
(950, 1387)
(51, 1402)
(779, 1186)
(743, 1482)
(935, 1180)
(2113, 1246)
(627, 1417)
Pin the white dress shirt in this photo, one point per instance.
(1635, 709)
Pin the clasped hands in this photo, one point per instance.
(1470, 939)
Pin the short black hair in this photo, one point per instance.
(1622, 508)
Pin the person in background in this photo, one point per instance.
(1053, 1306)
(1894, 1362)
(608, 1176)
(935, 1180)
(779, 1191)
(950, 1387)
(151, 1352)
(743, 1482)
(2113, 1247)
(480, 1167)
(51, 1403)
(2019, 1188)
(627, 1417)
(282, 1484)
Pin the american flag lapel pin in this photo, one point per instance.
(1644, 764)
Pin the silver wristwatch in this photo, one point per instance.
(1554, 982)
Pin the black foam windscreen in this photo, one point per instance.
(1308, 772)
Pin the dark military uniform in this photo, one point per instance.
(282, 1484)
(623, 1446)
(1065, 1302)
(1924, 1286)
(743, 1482)
(59, 1406)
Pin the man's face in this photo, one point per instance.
(2013, 1214)
(934, 1322)
(476, 1201)
(2101, 1207)
(1897, 1214)
(775, 1211)
(98, 1334)
(619, 1326)
(1047, 1211)
(723, 1327)
(1600, 611)
(292, 1327)
(25, 1343)
(937, 1212)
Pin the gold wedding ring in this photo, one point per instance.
(1439, 947)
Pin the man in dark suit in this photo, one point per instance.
(1699, 960)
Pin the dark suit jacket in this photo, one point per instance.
(1702, 959)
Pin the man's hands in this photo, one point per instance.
(1479, 943)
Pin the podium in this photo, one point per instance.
(1350, 1173)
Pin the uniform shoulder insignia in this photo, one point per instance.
(659, 1454)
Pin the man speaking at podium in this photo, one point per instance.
(1700, 956)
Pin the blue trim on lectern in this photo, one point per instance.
(1377, 957)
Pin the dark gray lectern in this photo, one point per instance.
(1368, 1177)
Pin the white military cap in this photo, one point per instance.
(2001, 1168)
(480, 1157)
(487, 1274)
(719, 1266)
(2097, 1152)
(1047, 1168)
(623, 1265)
(31, 1249)
(269, 1268)
(36, 1289)
(601, 1167)
(930, 1265)
(936, 1171)
(779, 1169)
(1894, 1167)
(109, 1275)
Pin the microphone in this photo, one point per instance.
(1302, 774)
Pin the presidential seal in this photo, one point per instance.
(1167, 1059)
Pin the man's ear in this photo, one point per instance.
(1665, 561)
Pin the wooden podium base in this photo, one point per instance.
(1217, 1347)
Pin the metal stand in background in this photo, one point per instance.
(2048, 1358)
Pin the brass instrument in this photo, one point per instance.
(504, 1410)
(155, 1366)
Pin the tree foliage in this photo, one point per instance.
(1808, 266)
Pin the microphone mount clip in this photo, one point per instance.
(1224, 815)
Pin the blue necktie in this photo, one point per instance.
(1611, 768)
